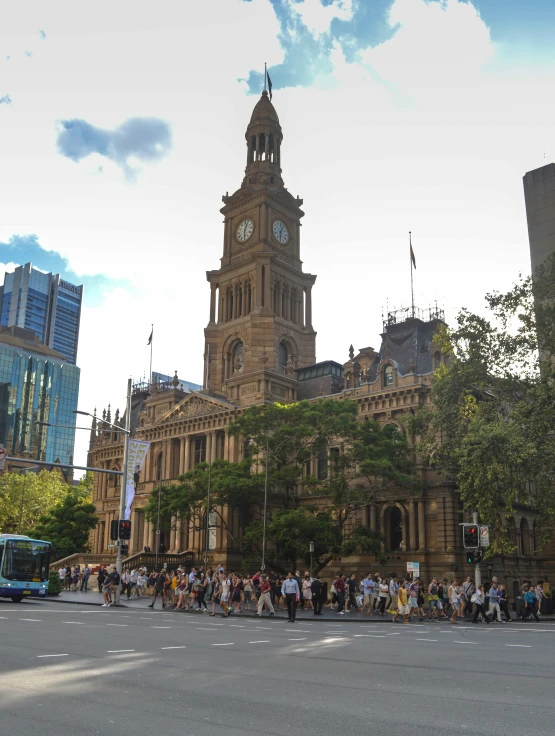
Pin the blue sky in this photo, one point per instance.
(122, 128)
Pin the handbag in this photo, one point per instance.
(473, 598)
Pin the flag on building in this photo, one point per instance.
(412, 258)
(269, 85)
(150, 338)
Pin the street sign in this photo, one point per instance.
(414, 567)
(484, 536)
(3, 454)
(112, 546)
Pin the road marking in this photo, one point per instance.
(30, 619)
(146, 618)
(116, 624)
(260, 641)
(425, 640)
(267, 628)
(4, 617)
(527, 646)
(173, 647)
(372, 636)
(117, 651)
(41, 656)
(464, 642)
(157, 627)
(235, 626)
(301, 639)
(228, 644)
(80, 623)
(201, 628)
(301, 631)
(397, 633)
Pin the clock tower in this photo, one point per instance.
(260, 326)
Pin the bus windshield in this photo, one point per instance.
(26, 560)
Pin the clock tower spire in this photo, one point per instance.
(260, 326)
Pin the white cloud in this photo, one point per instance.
(318, 17)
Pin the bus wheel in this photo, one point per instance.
(17, 598)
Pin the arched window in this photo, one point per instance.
(388, 375)
(436, 360)
(159, 461)
(323, 464)
(282, 357)
(237, 358)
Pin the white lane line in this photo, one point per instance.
(260, 641)
(228, 644)
(301, 631)
(235, 626)
(4, 617)
(217, 624)
(173, 647)
(303, 638)
(526, 646)
(372, 636)
(201, 628)
(118, 651)
(396, 633)
(79, 623)
(464, 642)
(116, 624)
(158, 627)
(30, 619)
(425, 640)
(146, 618)
(266, 628)
(41, 656)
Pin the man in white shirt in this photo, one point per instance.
(225, 588)
(368, 591)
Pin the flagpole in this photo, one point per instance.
(151, 341)
(265, 75)
(411, 279)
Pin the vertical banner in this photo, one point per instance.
(137, 451)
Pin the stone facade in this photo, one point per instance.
(260, 348)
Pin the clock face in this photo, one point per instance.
(245, 230)
(280, 232)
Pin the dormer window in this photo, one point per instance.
(388, 375)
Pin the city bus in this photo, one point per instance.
(24, 567)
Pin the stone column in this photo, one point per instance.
(181, 455)
(373, 517)
(365, 516)
(412, 524)
(133, 542)
(231, 449)
(267, 287)
(153, 537)
(213, 448)
(178, 541)
(421, 526)
(308, 293)
(209, 436)
(213, 288)
(187, 460)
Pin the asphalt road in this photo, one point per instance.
(68, 669)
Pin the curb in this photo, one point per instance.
(56, 599)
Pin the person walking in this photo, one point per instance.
(368, 593)
(494, 610)
(540, 596)
(307, 591)
(433, 601)
(403, 603)
(225, 594)
(453, 592)
(479, 599)
(291, 593)
(159, 588)
(317, 600)
(265, 597)
(504, 603)
(468, 590)
(352, 593)
(383, 593)
(339, 585)
(530, 605)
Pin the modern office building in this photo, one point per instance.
(37, 384)
(44, 303)
(539, 196)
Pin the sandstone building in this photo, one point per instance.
(260, 348)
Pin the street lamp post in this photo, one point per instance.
(158, 523)
(311, 553)
(122, 497)
(263, 566)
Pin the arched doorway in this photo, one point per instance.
(394, 526)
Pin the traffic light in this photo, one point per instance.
(470, 558)
(124, 549)
(124, 529)
(471, 536)
(473, 557)
(114, 529)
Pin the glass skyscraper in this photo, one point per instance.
(44, 303)
(37, 384)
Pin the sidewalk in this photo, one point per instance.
(93, 598)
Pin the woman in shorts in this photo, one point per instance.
(237, 588)
(216, 594)
(247, 592)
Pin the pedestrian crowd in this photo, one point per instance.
(232, 593)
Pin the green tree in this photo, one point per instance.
(357, 461)
(491, 425)
(68, 525)
(231, 485)
(25, 496)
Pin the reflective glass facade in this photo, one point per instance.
(37, 388)
(44, 303)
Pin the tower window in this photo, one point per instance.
(437, 360)
(282, 357)
(237, 358)
(388, 375)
